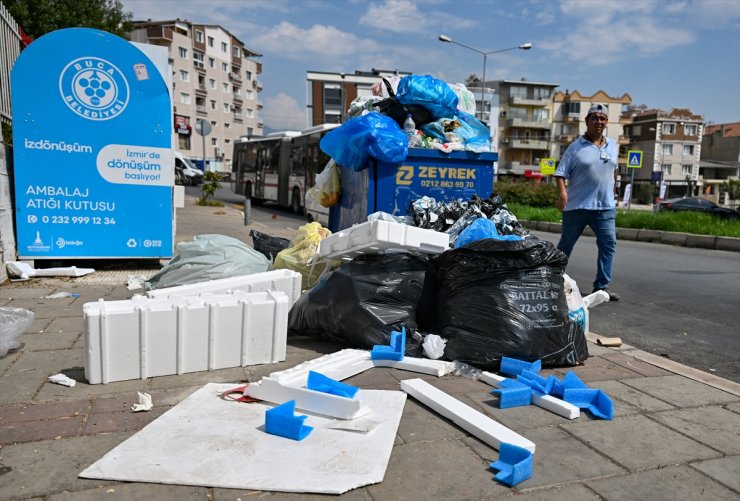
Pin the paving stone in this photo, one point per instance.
(110, 422)
(681, 391)
(434, 469)
(51, 466)
(39, 325)
(419, 423)
(574, 492)
(231, 375)
(38, 412)
(377, 378)
(8, 360)
(19, 388)
(677, 483)
(17, 293)
(49, 362)
(599, 369)
(627, 395)
(237, 494)
(49, 341)
(637, 442)
(638, 366)
(30, 431)
(51, 391)
(725, 470)
(595, 350)
(457, 386)
(712, 426)
(160, 398)
(135, 492)
(66, 324)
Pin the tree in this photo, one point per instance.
(472, 81)
(38, 17)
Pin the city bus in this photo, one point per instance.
(279, 167)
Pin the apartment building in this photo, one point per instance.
(214, 79)
(329, 95)
(524, 124)
(671, 143)
(720, 158)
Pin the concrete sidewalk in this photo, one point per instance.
(674, 436)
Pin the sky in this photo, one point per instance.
(663, 53)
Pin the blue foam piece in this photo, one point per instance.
(514, 366)
(514, 464)
(595, 401)
(325, 384)
(393, 352)
(283, 422)
(537, 382)
(570, 380)
(513, 394)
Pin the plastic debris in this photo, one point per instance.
(13, 322)
(360, 425)
(324, 384)
(537, 382)
(61, 295)
(514, 464)
(514, 366)
(63, 380)
(283, 422)
(145, 403)
(394, 351)
(135, 282)
(24, 271)
(512, 393)
(434, 346)
(595, 401)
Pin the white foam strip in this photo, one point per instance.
(483, 427)
(547, 402)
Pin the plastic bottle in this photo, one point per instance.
(409, 127)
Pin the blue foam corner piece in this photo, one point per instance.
(325, 384)
(514, 464)
(514, 366)
(513, 394)
(393, 352)
(595, 401)
(283, 422)
(570, 380)
(537, 382)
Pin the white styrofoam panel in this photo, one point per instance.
(483, 427)
(144, 337)
(376, 236)
(286, 281)
(547, 402)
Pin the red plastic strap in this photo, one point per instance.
(228, 395)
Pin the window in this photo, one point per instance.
(197, 59)
(224, 67)
(248, 74)
(669, 128)
(665, 169)
(689, 129)
(667, 149)
(183, 142)
(686, 169)
(636, 130)
(236, 52)
(227, 125)
(518, 91)
(541, 93)
(214, 141)
(214, 123)
(183, 52)
(227, 107)
(184, 76)
(250, 131)
(212, 83)
(520, 113)
(565, 130)
(200, 104)
(213, 104)
(688, 149)
(332, 96)
(571, 109)
(250, 94)
(250, 113)
(227, 141)
(225, 88)
(210, 41)
(184, 98)
(540, 115)
(199, 36)
(211, 62)
(224, 47)
(236, 91)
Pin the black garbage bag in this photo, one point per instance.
(360, 303)
(495, 298)
(268, 245)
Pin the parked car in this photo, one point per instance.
(186, 172)
(696, 204)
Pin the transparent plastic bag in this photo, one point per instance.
(13, 322)
(328, 188)
(299, 256)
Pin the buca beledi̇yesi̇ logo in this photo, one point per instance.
(94, 88)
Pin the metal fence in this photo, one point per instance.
(10, 48)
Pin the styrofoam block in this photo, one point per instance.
(145, 337)
(376, 236)
(286, 281)
(483, 427)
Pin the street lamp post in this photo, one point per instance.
(341, 106)
(524, 46)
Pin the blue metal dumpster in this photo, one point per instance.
(391, 188)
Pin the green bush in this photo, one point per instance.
(210, 185)
(527, 192)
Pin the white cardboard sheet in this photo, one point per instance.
(211, 442)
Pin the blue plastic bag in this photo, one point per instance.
(473, 133)
(372, 134)
(434, 95)
(478, 230)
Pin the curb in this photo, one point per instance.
(672, 366)
(710, 242)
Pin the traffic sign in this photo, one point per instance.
(547, 166)
(203, 127)
(634, 159)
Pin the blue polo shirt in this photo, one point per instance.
(590, 174)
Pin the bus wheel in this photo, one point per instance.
(295, 202)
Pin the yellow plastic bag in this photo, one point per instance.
(328, 187)
(298, 256)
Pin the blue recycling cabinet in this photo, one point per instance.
(392, 188)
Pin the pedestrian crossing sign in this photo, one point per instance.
(634, 159)
(547, 166)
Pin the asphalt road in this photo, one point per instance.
(676, 302)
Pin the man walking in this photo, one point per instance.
(590, 166)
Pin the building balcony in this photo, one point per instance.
(238, 116)
(259, 68)
(523, 101)
(201, 90)
(238, 100)
(624, 140)
(159, 33)
(236, 61)
(572, 118)
(566, 138)
(528, 144)
(260, 125)
(519, 122)
(260, 105)
(201, 109)
(257, 85)
(235, 77)
(198, 65)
